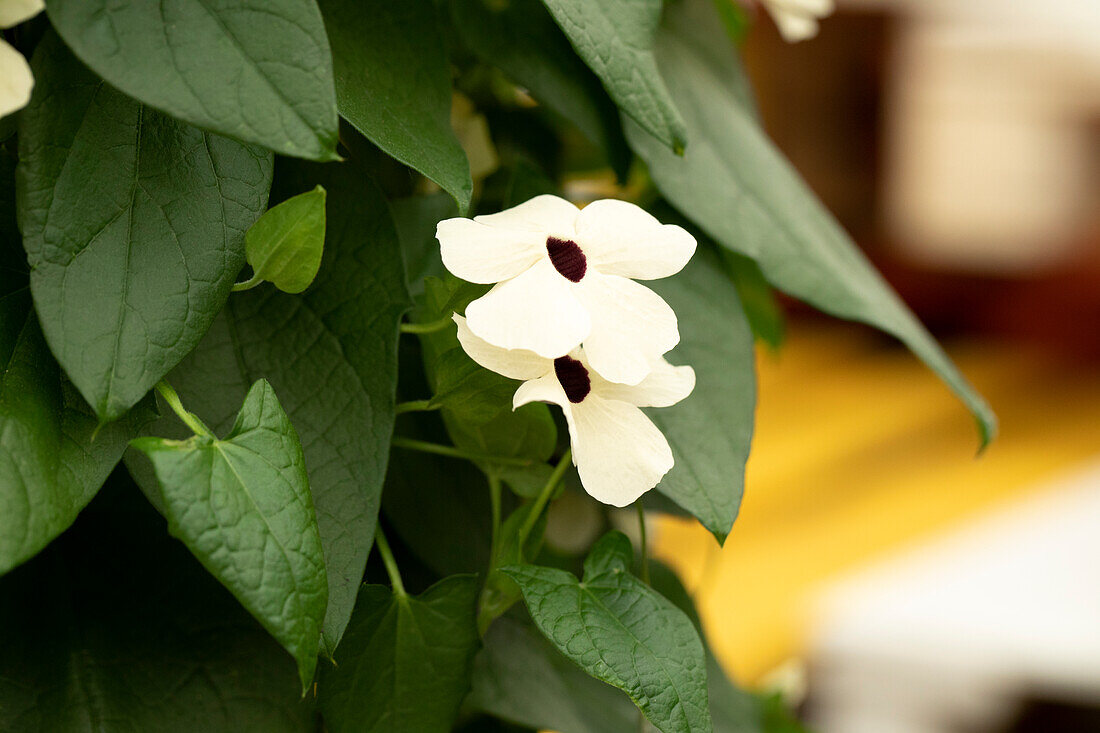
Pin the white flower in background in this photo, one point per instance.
(619, 453)
(16, 80)
(564, 276)
(797, 19)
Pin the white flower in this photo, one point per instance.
(565, 276)
(797, 19)
(619, 453)
(16, 80)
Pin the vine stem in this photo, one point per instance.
(415, 406)
(391, 564)
(452, 452)
(543, 497)
(189, 419)
(429, 327)
(645, 556)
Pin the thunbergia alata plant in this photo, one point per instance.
(287, 290)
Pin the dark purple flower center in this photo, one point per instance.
(573, 378)
(567, 258)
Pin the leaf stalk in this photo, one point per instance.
(544, 497)
(452, 452)
(189, 419)
(391, 564)
(429, 327)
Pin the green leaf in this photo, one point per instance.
(134, 226)
(615, 38)
(735, 185)
(519, 676)
(709, 431)
(331, 355)
(284, 247)
(242, 506)
(54, 455)
(621, 631)
(405, 663)
(393, 84)
(257, 71)
(764, 314)
(471, 392)
(521, 38)
(733, 709)
(115, 628)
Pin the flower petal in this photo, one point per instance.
(13, 12)
(485, 254)
(537, 311)
(619, 238)
(546, 214)
(631, 327)
(619, 452)
(665, 386)
(16, 80)
(514, 363)
(543, 389)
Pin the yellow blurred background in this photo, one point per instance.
(859, 451)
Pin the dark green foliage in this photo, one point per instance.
(405, 662)
(116, 628)
(133, 190)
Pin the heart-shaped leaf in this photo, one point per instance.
(621, 631)
(242, 505)
(133, 224)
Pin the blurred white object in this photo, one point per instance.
(797, 19)
(991, 130)
(953, 634)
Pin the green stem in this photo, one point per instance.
(494, 503)
(644, 556)
(452, 452)
(430, 327)
(189, 419)
(543, 497)
(415, 406)
(390, 563)
(247, 284)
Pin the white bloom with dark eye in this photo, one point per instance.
(797, 19)
(16, 80)
(619, 453)
(564, 276)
